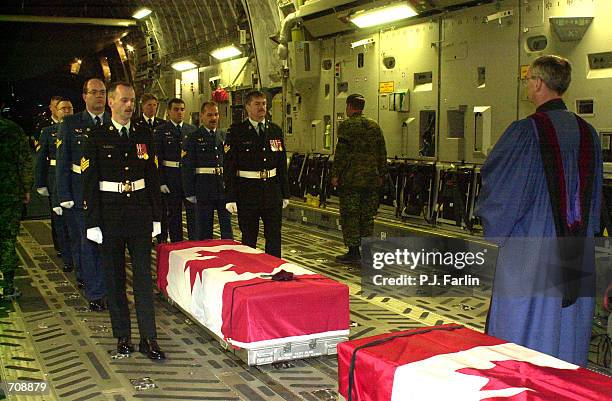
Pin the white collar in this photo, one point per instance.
(255, 124)
(55, 121)
(119, 126)
(93, 116)
(148, 118)
(177, 125)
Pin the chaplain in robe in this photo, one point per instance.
(540, 202)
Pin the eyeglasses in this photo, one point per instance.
(527, 78)
(96, 92)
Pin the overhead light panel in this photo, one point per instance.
(226, 52)
(382, 15)
(140, 14)
(184, 65)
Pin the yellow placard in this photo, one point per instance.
(386, 87)
(524, 69)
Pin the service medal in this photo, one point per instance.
(141, 151)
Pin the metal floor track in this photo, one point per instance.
(49, 334)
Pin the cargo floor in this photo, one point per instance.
(49, 334)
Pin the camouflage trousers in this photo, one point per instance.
(10, 215)
(357, 210)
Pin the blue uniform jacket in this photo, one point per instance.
(73, 131)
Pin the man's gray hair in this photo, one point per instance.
(555, 71)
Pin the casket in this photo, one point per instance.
(451, 362)
(228, 289)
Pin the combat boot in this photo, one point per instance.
(352, 256)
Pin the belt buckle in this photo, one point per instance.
(218, 170)
(263, 174)
(127, 186)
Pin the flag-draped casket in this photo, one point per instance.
(451, 362)
(229, 289)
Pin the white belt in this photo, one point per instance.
(52, 162)
(76, 168)
(209, 170)
(169, 163)
(121, 187)
(261, 175)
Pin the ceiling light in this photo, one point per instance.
(140, 14)
(226, 52)
(382, 15)
(184, 65)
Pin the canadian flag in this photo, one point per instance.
(227, 287)
(455, 363)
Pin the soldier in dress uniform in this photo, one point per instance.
(46, 162)
(255, 171)
(15, 183)
(202, 169)
(149, 119)
(360, 163)
(72, 133)
(46, 119)
(168, 139)
(122, 198)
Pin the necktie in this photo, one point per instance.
(260, 129)
(150, 122)
(124, 133)
(178, 128)
(98, 121)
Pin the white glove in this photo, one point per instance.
(164, 189)
(95, 235)
(231, 207)
(57, 210)
(43, 191)
(192, 199)
(285, 203)
(156, 229)
(67, 205)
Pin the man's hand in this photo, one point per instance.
(192, 199)
(164, 189)
(43, 191)
(94, 234)
(285, 203)
(156, 229)
(67, 204)
(26, 198)
(334, 181)
(57, 210)
(231, 207)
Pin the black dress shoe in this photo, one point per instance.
(124, 345)
(80, 284)
(67, 269)
(149, 347)
(97, 305)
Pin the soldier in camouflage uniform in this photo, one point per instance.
(358, 170)
(16, 179)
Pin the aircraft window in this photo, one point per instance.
(389, 62)
(327, 64)
(360, 60)
(327, 89)
(537, 43)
